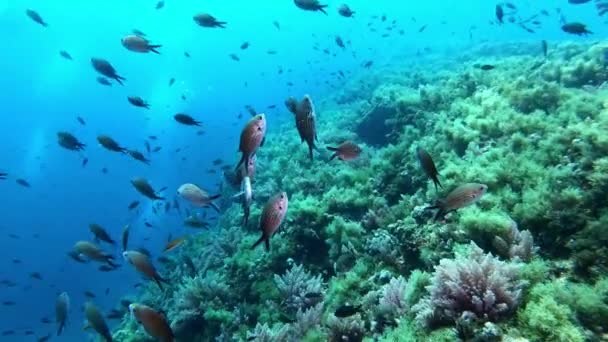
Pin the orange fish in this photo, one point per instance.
(142, 264)
(346, 151)
(460, 197)
(154, 323)
(171, 245)
(427, 164)
(272, 217)
(252, 137)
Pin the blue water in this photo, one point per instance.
(43, 93)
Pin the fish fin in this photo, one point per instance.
(333, 156)
(153, 48)
(332, 148)
(215, 196)
(237, 196)
(310, 152)
(60, 329)
(245, 215)
(321, 9)
(259, 241)
(267, 244)
(119, 79)
(243, 159)
(263, 141)
(436, 182)
(214, 206)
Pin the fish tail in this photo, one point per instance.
(119, 79)
(245, 215)
(263, 238)
(153, 48)
(156, 197)
(321, 9)
(436, 182)
(214, 206)
(220, 24)
(243, 159)
(310, 151)
(60, 329)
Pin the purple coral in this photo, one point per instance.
(518, 244)
(392, 300)
(477, 286)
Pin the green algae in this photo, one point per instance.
(539, 142)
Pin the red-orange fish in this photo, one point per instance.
(460, 197)
(346, 151)
(142, 264)
(272, 217)
(154, 323)
(306, 121)
(252, 137)
(171, 245)
(427, 164)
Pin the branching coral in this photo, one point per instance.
(477, 285)
(296, 287)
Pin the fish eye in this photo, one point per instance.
(280, 207)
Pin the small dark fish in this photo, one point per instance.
(85, 161)
(345, 11)
(103, 81)
(160, 4)
(147, 144)
(44, 338)
(347, 311)
(578, 2)
(106, 268)
(23, 183)
(8, 303)
(217, 161)
(187, 54)
(110, 144)
(272, 107)
(107, 291)
(36, 17)
(3, 175)
(171, 81)
(14, 236)
(104, 170)
(428, 166)
(100, 233)
(368, 64)
(45, 320)
(422, 28)
(186, 120)
(511, 6)
(148, 224)
(276, 24)
(125, 237)
(340, 42)
(138, 33)
(69, 141)
(207, 20)
(89, 294)
(138, 102)
(310, 5)
(138, 156)
(245, 45)
(234, 57)
(487, 67)
(65, 55)
(8, 333)
(251, 110)
(143, 187)
(313, 295)
(499, 14)
(104, 67)
(16, 261)
(36, 275)
(578, 29)
(544, 47)
(133, 205)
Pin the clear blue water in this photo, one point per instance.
(43, 93)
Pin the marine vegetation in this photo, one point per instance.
(360, 255)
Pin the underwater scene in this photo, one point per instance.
(304, 170)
